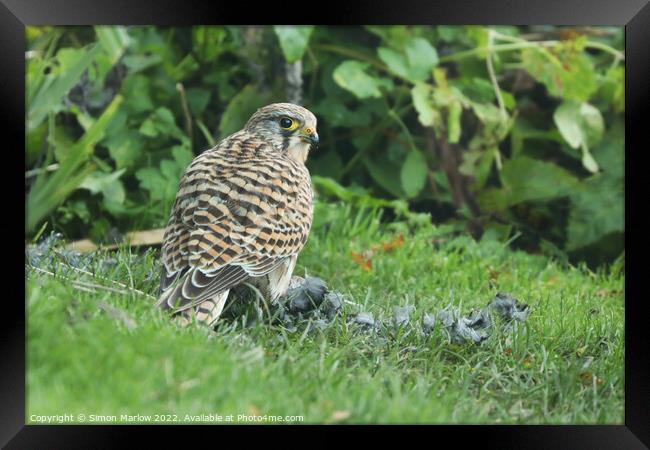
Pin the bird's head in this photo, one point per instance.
(289, 128)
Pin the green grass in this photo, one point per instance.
(564, 365)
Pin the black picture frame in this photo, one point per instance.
(633, 14)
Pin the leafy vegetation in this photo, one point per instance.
(96, 347)
(511, 132)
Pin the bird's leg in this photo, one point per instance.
(183, 318)
(207, 312)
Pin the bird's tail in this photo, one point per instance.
(207, 312)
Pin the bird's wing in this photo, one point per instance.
(240, 211)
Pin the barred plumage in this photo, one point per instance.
(243, 212)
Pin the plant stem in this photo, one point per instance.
(186, 111)
(353, 54)
(392, 114)
(525, 44)
(357, 156)
(206, 133)
(606, 48)
(589, 44)
(493, 78)
(50, 168)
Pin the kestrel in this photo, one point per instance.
(242, 213)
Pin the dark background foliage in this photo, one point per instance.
(509, 133)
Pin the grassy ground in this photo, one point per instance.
(110, 353)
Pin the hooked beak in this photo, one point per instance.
(309, 135)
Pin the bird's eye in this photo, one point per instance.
(286, 123)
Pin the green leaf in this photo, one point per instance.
(383, 172)
(413, 174)
(421, 94)
(73, 62)
(208, 41)
(476, 89)
(182, 155)
(527, 179)
(169, 169)
(478, 34)
(35, 140)
(394, 35)
(99, 229)
(198, 99)
(152, 180)
(453, 122)
(352, 76)
(162, 182)
(597, 211)
(593, 124)
(72, 209)
(108, 184)
(581, 125)
(114, 40)
(487, 113)
(136, 91)
(161, 123)
(124, 148)
(339, 115)
(610, 152)
(96, 77)
(508, 100)
(293, 40)
(331, 187)
(484, 166)
(419, 57)
(138, 63)
(565, 117)
(328, 165)
(240, 108)
(567, 73)
(470, 159)
(395, 61)
(588, 160)
(451, 33)
(422, 57)
(184, 69)
(62, 143)
(612, 88)
(85, 145)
